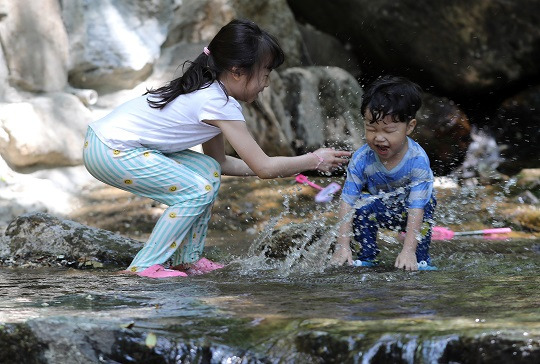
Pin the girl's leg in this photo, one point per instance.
(151, 174)
(191, 249)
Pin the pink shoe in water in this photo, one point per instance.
(203, 266)
(157, 271)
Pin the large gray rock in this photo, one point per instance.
(516, 130)
(444, 131)
(197, 21)
(461, 47)
(35, 43)
(277, 18)
(323, 104)
(4, 73)
(114, 43)
(322, 49)
(35, 234)
(46, 130)
(293, 238)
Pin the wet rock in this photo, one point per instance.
(529, 179)
(291, 238)
(331, 346)
(76, 340)
(443, 130)
(40, 234)
(515, 127)
(62, 339)
(18, 344)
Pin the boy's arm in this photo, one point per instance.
(406, 259)
(342, 253)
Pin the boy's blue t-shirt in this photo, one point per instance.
(410, 182)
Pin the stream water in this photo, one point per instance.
(482, 288)
(482, 305)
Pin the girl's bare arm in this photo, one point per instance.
(238, 135)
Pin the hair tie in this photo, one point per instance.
(206, 51)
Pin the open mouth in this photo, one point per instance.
(382, 149)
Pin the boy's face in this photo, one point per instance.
(387, 138)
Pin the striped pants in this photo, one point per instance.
(185, 181)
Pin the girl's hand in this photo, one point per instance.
(330, 159)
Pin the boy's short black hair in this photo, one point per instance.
(392, 95)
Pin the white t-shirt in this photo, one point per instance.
(178, 126)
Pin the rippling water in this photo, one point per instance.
(482, 287)
(477, 279)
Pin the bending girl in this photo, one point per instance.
(143, 145)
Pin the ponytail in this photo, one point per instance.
(240, 43)
(198, 75)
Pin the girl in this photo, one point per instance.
(142, 146)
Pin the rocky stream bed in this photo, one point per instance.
(63, 301)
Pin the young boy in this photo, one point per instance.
(395, 171)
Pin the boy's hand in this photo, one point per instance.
(406, 260)
(341, 255)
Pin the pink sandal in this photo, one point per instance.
(157, 271)
(203, 266)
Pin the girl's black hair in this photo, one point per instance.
(392, 95)
(240, 43)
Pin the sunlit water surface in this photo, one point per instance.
(480, 282)
(482, 287)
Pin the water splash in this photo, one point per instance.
(309, 253)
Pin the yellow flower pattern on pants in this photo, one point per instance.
(186, 181)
